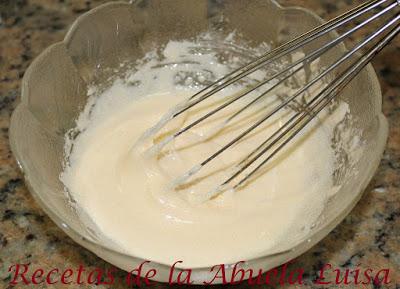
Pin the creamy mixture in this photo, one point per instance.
(127, 193)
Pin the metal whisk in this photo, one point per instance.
(256, 159)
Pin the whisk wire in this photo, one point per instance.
(284, 104)
(258, 157)
(344, 80)
(326, 72)
(312, 57)
(281, 51)
(306, 60)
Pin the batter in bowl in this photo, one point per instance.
(127, 193)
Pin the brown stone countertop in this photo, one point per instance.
(368, 238)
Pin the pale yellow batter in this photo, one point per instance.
(128, 194)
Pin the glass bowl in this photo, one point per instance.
(55, 90)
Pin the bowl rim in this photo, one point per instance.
(88, 243)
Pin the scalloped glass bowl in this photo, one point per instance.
(55, 90)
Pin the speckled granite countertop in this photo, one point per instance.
(368, 238)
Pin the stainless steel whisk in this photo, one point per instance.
(257, 158)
